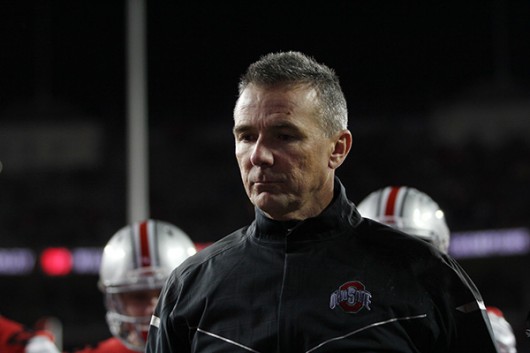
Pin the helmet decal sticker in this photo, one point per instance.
(391, 202)
(145, 257)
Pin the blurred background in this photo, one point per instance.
(438, 95)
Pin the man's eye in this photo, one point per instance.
(286, 137)
(246, 137)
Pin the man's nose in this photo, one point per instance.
(262, 154)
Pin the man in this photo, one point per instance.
(416, 213)
(136, 262)
(408, 210)
(310, 274)
(17, 338)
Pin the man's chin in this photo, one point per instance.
(274, 206)
(268, 202)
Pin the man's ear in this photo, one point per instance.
(341, 148)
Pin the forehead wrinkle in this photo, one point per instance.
(274, 125)
(251, 113)
(260, 108)
(263, 100)
(268, 107)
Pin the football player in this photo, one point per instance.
(17, 338)
(502, 329)
(135, 264)
(416, 213)
(410, 211)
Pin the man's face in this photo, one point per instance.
(140, 303)
(283, 152)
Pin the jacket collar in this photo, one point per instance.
(339, 216)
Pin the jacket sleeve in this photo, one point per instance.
(473, 332)
(168, 332)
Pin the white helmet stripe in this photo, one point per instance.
(401, 200)
(135, 244)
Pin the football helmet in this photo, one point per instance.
(138, 259)
(502, 330)
(410, 211)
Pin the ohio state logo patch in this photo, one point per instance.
(351, 297)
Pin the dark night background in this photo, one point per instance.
(438, 94)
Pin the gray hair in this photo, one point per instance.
(297, 68)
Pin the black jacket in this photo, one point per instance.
(333, 283)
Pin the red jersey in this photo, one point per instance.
(14, 336)
(110, 345)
